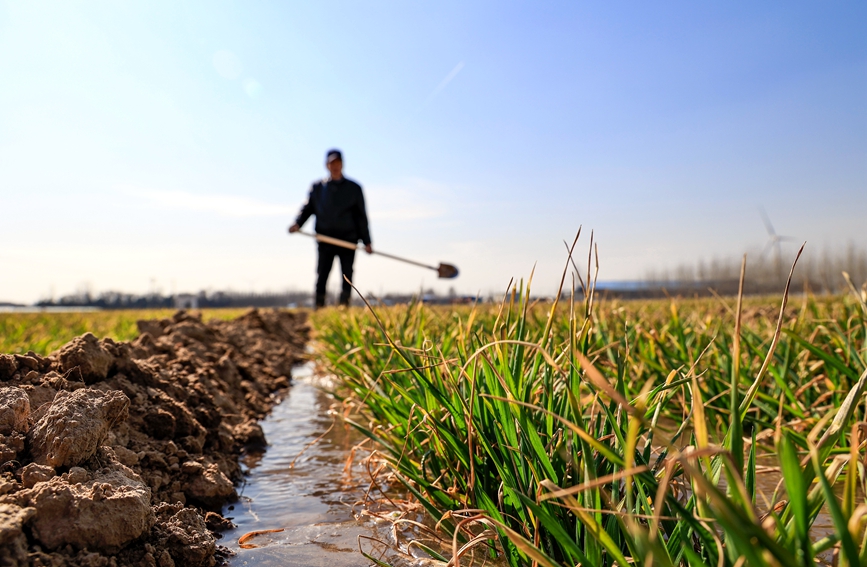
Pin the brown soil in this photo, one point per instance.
(123, 453)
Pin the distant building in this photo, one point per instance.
(186, 301)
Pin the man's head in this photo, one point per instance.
(334, 163)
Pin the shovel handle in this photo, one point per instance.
(351, 246)
(330, 240)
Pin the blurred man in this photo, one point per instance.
(338, 204)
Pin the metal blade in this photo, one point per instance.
(765, 219)
(447, 271)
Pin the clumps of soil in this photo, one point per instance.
(124, 453)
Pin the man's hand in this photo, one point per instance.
(294, 228)
(368, 248)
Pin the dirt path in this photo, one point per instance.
(122, 453)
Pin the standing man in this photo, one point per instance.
(338, 205)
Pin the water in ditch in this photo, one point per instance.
(312, 501)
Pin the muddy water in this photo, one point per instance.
(312, 500)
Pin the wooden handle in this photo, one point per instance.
(331, 240)
(351, 246)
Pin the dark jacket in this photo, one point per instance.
(339, 210)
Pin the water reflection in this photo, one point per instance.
(311, 501)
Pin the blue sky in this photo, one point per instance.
(170, 144)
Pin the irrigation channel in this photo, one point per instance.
(300, 485)
(314, 502)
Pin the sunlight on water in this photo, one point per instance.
(311, 502)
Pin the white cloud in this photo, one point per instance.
(410, 200)
(223, 205)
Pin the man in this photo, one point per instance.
(338, 204)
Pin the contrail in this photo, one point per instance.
(443, 84)
(440, 87)
(223, 205)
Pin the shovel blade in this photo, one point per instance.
(447, 271)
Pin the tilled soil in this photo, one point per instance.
(123, 453)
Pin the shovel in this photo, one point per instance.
(443, 270)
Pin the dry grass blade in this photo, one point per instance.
(861, 300)
(754, 387)
(598, 380)
(844, 412)
(557, 492)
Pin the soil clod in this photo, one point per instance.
(121, 453)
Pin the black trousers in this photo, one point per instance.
(327, 253)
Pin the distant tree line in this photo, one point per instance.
(202, 299)
(818, 271)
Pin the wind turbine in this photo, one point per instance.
(774, 241)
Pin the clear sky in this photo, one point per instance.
(169, 144)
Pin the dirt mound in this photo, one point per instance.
(120, 453)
